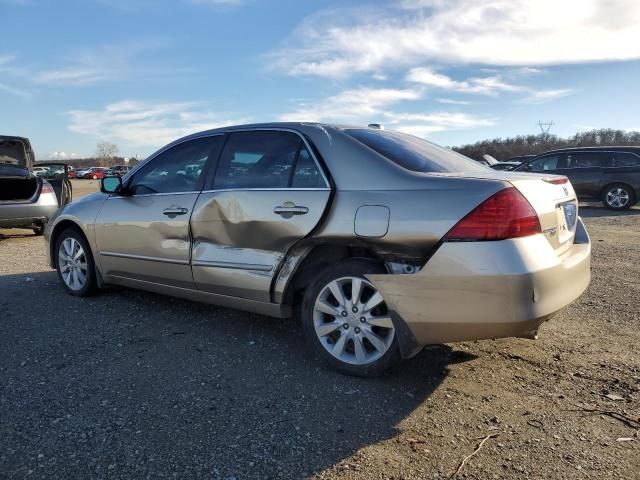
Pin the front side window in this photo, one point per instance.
(588, 159)
(178, 169)
(264, 159)
(623, 159)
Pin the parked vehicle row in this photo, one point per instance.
(383, 241)
(29, 195)
(607, 174)
(97, 173)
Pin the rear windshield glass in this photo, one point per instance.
(414, 153)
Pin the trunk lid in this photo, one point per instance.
(15, 152)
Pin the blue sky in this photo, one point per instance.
(140, 73)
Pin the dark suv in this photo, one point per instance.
(609, 174)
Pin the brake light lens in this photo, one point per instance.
(46, 187)
(556, 181)
(506, 214)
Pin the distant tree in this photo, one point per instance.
(106, 152)
(505, 148)
(133, 161)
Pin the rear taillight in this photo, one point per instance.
(556, 180)
(46, 187)
(506, 214)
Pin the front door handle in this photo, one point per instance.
(172, 212)
(289, 209)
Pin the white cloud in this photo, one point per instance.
(107, 63)
(218, 2)
(341, 42)
(366, 105)
(13, 90)
(146, 124)
(490, 86)
(8, 68)
(451, 101)
(350, 105)
(541, 96)
(423, 125)
(479, 85)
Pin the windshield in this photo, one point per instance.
(414, 153)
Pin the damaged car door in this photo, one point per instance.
(142, 234)
(268, 192)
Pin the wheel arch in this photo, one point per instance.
(318, 257)
(60, 227)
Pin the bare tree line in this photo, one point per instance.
(505, 148)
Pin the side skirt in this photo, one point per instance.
(269, 309)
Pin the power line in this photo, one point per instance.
(545, 126)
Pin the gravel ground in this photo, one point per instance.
(130, 385)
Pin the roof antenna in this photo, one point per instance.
(377, 126)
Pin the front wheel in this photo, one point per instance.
(346, 319)
(75, 263)
(618, 197)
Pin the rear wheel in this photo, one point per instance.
(75, 263)
(346, 319)
(618, 197)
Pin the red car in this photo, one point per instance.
(94, 172)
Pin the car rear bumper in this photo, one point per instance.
(25, 214)
(482, 290)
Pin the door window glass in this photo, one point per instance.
(587, 159)
(178, 169)
(550, 162)
(307, 174)
(257, 159)
(622, 159)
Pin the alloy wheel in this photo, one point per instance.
(352, 322)
(617, 197)
(72, 262)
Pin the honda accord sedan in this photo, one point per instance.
(379, 241)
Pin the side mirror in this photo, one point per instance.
(111, 185)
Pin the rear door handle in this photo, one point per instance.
(172, 212)
(288, 210)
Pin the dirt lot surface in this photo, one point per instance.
(130, 385)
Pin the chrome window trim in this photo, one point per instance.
(267, 189)
(232, 265)
(113, 197)
(279, 189)
(144, 257)
(197, 136)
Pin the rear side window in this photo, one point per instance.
(588, 159)
(414, 153)
(306, 174)
(266, 159)
(622, 159)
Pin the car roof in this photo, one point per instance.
(614, 148)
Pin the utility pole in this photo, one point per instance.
(544, 128)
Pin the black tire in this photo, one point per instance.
(38, 229)
(347, 268)
(627, 192)
(91, 285)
